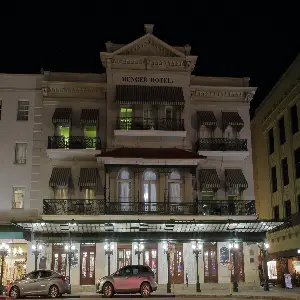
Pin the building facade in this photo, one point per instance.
(144, 159)
(275, 140)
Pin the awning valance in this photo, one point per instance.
(140, 94)
(232, 118)
(234, 178)
(209, 179)
(62, 116)
(60, 177)
(207, 118)
(88, 177)
(89, 117)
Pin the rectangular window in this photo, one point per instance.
(271, 141)
(285, 171)
(288, 208)
(61, 193)
(276, 212)
(23, 110)
(126, 118)
(294, 117)
(281, 131)
(20, 153)
(207, 195)
(233, 194)
(18, 197)
(89, 194)
(297, 162)
(274, 180)
(0, 109)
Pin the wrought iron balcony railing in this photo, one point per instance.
(74, 142)
(221, 144)
(150, 124)
(104, 207)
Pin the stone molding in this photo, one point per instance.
(68, 89)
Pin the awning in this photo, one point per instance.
(207, 118)
(62, 116)
(234, 178)
(140, 94)
(89, 117)
(232, 118)
(209, 179)
(88, 177)
(60, 177)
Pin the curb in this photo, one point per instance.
(225, 296)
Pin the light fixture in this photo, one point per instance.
(298, 251)
(267, 246)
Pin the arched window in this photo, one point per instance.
(174, 187)
(150, 190)
(125, 189)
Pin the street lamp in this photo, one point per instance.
(4, 251)
(197, 250)
(264, 249)
(36, 250)
(70, 250)
(167, 252)
(234, 247)
(108, 247)
(139, 250)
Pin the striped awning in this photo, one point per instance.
(207, 118)
(209, 179)
(88, 177)
(89, 117)
(62, 116)
(232, 118)
(60, 177)
(234, 178)
(142, 94)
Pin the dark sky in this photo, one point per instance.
(230, 39)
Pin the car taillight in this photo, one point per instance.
(8, 288)
(63, 278)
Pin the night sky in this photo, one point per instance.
(230, 40)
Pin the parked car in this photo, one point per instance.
(131, 279)
(39, 283)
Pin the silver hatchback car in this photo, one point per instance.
(131, 279)
(39, 283)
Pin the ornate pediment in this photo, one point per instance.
(149, 45)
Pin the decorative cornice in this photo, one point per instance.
(67, 89)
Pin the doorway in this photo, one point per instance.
(59, 260)
(176, 265)
(124, 255)
(210, 263)
(150, 258)
(87, 264)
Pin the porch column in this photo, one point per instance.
(107, 185)
(162, 187)
(162, 264)
(113, 259)
(75, 269)
(101, 261)
(30, 258)
(251, 263)
(188, 187)
(137, 186)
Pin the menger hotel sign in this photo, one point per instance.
(143, 79)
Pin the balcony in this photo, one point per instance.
(60, 147)
(236, 148)
(103, 207)
(150, 127)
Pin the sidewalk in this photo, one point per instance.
(274, 294)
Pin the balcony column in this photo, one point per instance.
(137, 185)
(188, 187)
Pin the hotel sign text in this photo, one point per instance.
(142, 79)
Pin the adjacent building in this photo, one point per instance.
(276, 159)
(142, 160)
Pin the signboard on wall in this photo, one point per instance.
(144, 79)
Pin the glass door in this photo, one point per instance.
(59, 260)
(126, 118)
(87, 264)
(210, 263)
(150, 191)
(124, 255)
(150, 259)
(176, 265)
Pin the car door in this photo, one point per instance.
(44, 281)
(121, 279)
(29, 285)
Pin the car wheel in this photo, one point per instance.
(14, 292)
(145, 290)
(53, 291)
(108, 290)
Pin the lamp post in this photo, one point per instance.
(139, 250)
(264, 249)
(197, 250)
(108, 251)
(167, 252)
(36, 250)
(234, 247)
(4, 251)
(70, 250)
